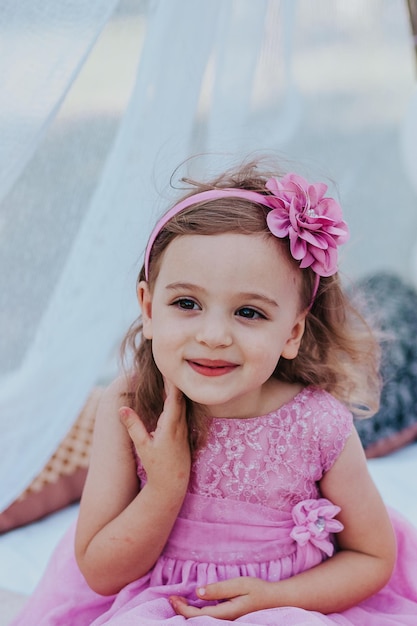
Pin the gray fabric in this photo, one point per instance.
(394, 305)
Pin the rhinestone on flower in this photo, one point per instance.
(311, 213)
(320, 523)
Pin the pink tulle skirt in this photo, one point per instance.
(216, 540)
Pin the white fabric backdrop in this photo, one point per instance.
(101, 100)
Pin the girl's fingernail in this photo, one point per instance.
(201, 591)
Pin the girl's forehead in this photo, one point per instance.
(235, 256)
(230, 244)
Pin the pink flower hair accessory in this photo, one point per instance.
(314, 523)
(312, 222)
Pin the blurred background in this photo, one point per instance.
(101, 101)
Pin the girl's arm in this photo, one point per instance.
(362, 566)
(122, 530)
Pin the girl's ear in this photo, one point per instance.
(292, 344)
(145, 302)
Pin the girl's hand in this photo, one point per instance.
(237, 597)
(164, 453)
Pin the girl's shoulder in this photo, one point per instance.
(322, 423)
(117, 394)
(121, 387)
(316, 400)
(322, 402)
(311, 406)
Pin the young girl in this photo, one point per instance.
(226, 481)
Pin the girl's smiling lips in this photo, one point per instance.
(209, 367)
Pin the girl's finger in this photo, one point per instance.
(222, 590)
(134, 426)
(229, 610)
(172, 392)
(174, 405)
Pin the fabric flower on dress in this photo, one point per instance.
(314, 522)
(313, 223)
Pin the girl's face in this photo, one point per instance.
(223, 310)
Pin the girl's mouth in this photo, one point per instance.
(208, 367)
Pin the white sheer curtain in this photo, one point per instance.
(70, 252)
(101, 100)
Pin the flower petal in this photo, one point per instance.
(278, 223)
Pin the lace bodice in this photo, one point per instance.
(276, 459)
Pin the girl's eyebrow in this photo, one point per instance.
(184, 286)
(260, 297)
(244, 295)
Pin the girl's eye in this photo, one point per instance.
(186, 303)
(250, 314)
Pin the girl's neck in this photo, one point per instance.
(273, 395)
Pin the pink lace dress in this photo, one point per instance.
(253, 509)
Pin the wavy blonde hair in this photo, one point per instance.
(338, 351)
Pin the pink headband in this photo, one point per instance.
(299, 211)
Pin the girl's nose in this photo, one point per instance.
(214, 332)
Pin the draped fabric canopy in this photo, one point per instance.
(101, 100)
